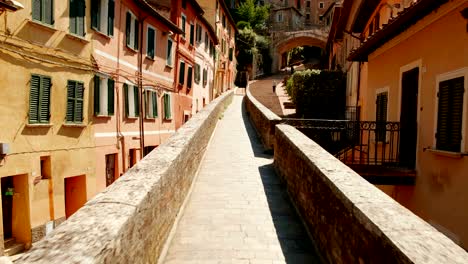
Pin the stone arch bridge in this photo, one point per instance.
(283, 41)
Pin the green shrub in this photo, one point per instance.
(318, 94)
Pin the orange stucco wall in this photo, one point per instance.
(437, 44)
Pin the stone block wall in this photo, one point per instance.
(130, 221)
(350, 220)
(263, 119)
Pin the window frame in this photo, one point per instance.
(462, 72)
(136, 101)
(378, 137)
(182, 66)
(42, 15)
(189, 77)
(70, 29)
(134, 24)
(183, 24)
(197, 74)
(151, 94)
(169, 51)
(101, 93)
(148, 27)
(76, 100)
(104, 10)
(39, 99)
(192, 34)
(165, 115)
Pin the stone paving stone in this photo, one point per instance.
(238, 211)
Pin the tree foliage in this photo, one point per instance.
(255, 15)
(318, 94)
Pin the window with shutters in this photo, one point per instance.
(102, 16)
(167, 106)
(150, 42)
(132, 101)
(205, 77)
(192, 34)
(231, 54)
(189, 77)
(450, 106)
(197, 73)
(207, 45)
(151, 103)
(103, 96)
(182, 73)
(75, 91)
(77, 17)
(199, 33)
(39, 99)
(132, 27)
(381, 116)
(182, 24)
(43, 11)
(169, 52)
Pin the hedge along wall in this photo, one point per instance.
(318, 94)
(130, 221)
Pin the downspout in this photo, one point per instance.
(120, 136)
(140, 88)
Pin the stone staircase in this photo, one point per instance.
(12, 247)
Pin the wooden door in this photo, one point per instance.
(110, 168)
(7, 206)
(409, 118)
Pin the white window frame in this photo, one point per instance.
(131, 99)
(169, 52)
(163, 107)
(104, 4)
(155, 38)
(279, 17)
(149, 103)
(321, 5)
(103, 95)
(183, 24)
(462, 72)
(132, 31)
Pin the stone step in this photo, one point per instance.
(9, 242)
(14, 249)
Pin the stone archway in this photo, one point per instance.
(286, 41)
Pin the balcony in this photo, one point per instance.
(370, 148)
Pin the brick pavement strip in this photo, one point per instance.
(238, 212)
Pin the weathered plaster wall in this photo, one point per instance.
(130, 221)
(351, 220)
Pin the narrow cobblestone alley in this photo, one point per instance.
(238, 212)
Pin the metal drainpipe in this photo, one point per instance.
(140, 87)
(120, 136)
(358, 91)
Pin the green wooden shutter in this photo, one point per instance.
(34, 99)
(150, 45)
(36, 9)
(95, 14)
(128, 25)
(450, 115)
(48, 12)
(137, 34)
(381, 116)
(191, 34)
(73, 16)
(146, 104)
(97, 95)
(110, 97)
(110, 19)
(71, 87)
(169, 52)
(189, 78)
(79, 92)
(136, 97)
(125, 86)
(44, 101)
(182, 73)
(80, 19)
(155, 104)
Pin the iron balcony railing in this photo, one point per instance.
(354, 142)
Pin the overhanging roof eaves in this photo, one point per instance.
(146, 6)
(395, 26)
(211, 30)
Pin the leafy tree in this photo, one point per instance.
(255, 15)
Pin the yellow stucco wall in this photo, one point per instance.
(438, 44)
(27, 48)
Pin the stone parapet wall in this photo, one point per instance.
(263, 119)
(130, 221)
(350, 220)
